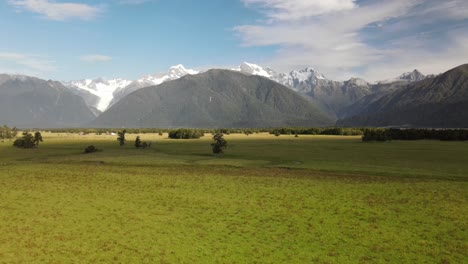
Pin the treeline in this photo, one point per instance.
(193, 133)
(378, 134)
(104, 131)
(334, 131)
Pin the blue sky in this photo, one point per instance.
(75, 39)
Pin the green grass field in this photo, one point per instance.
(312, 199)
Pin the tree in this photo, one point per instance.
(121, 137)
(219, 143)
(26, 141)
(37, 138)
(14, 132)
(138, 142)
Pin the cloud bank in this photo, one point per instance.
(371, 39)
(26, 64)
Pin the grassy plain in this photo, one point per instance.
(312, 199)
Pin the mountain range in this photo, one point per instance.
(354, 102)
(216, 98)
(438, 101)
(332, 96)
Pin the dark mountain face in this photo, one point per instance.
(377, 91)
(31, 102)
(334, 96)
(440, 101)
(217, 98)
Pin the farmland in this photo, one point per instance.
(321, 199)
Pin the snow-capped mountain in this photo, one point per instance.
(100, 94)
(332, 96)
(296, 80)
(414, 76)
(101, 89)
(255, 69)
(175, 72)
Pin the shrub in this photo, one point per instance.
(91, 149)
(137, 142)
(26, 141)
(185, 134)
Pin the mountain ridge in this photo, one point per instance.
(216, 98)
(331, 95)
(439, 101)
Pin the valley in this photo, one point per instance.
(284, 199)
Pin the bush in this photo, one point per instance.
(26, 141)
(185, 134)
(141, 144)
(91, 149)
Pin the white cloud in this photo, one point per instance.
(25, 64)
(360, 40)
(133, 2)
(297, 9)
(95, 58)
(58, 11)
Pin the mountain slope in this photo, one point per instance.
(440, 101)
(174, 73)
(217, 98)
(31, 102)
(331, 96)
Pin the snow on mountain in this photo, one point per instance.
(175, 72)
(101, 94)
(293, 80)
(414, 76)
(101, 88)
(255, 69)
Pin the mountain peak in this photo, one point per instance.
(413, 76)
(255, 69)
(180, 68)
(358, 82)
(307, 73)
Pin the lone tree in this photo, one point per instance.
(26, 141)
(37, 138)
(121, 137)
(219, 143)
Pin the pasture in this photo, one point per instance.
(311, 199)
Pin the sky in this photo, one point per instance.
(371, 39)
